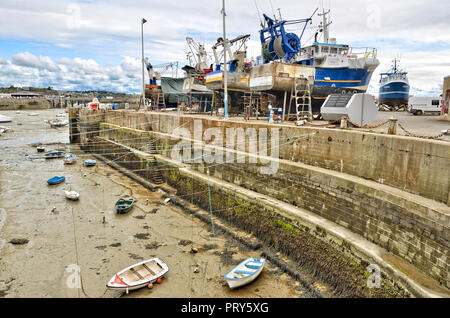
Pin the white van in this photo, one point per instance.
(425, 105)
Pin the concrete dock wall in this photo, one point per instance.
(414, 228)
(407, 223)
(415, 165)
(327, 258)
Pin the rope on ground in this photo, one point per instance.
(78, 263)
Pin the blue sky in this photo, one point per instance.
(96, 44)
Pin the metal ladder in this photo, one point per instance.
(155, 173)
(301, 94)
(248, 105)
(160, 101)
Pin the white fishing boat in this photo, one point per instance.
(244, 273)
(138, 275)
(72, 195)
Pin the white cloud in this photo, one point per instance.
(3, 61)
(29, 60)
(73, 74)
(107, 34)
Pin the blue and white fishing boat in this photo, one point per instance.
(90, 162)
(338, 67)
(394, 87)
(244, 273)
(56, 180)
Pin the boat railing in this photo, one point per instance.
(362, 52)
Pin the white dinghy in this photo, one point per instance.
(72, 195)
(244, 273)
(138, 275)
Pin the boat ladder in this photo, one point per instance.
(251, 105)
(160, 100)
(301, 95)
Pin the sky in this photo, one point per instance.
(96, 44)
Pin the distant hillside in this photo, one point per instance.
(51, 91)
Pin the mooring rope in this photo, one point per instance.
(78, 263)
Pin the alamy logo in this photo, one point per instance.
(237, 146)
(74, 278)
(374, 280)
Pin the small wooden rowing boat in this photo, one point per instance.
(244, 273)
(89, 162)
(70, 159)
(138, 275)
(56, 180)
(124, 206)
(72, 195)
(54, 154)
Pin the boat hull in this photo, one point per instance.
(236, 282)
(125, 285)
(277, 78)
(56, 180)
(394, 93)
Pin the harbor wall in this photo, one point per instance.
(24, 103)
(329, 259)
(415, 165)
(409, 226)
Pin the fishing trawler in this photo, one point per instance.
(238, 69)
(394, 87)
(338, 68)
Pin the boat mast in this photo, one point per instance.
(225, 82)
(326, 34)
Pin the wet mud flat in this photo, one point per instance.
(44, 237)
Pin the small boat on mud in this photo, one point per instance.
(58, 123)
(56, 180)
(70, 159)
(40, 148)
(244, 273)
(89, 162)
(4, 129)
(72, 195)
(138, 275)
(54, 155)
(124, 206)
(5, 119)
(33, 114)
(35, 144)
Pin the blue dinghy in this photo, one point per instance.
(89, 162)
(56, 180)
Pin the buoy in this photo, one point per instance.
(150, 285)
(159, 280)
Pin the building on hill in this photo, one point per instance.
(26, 95)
